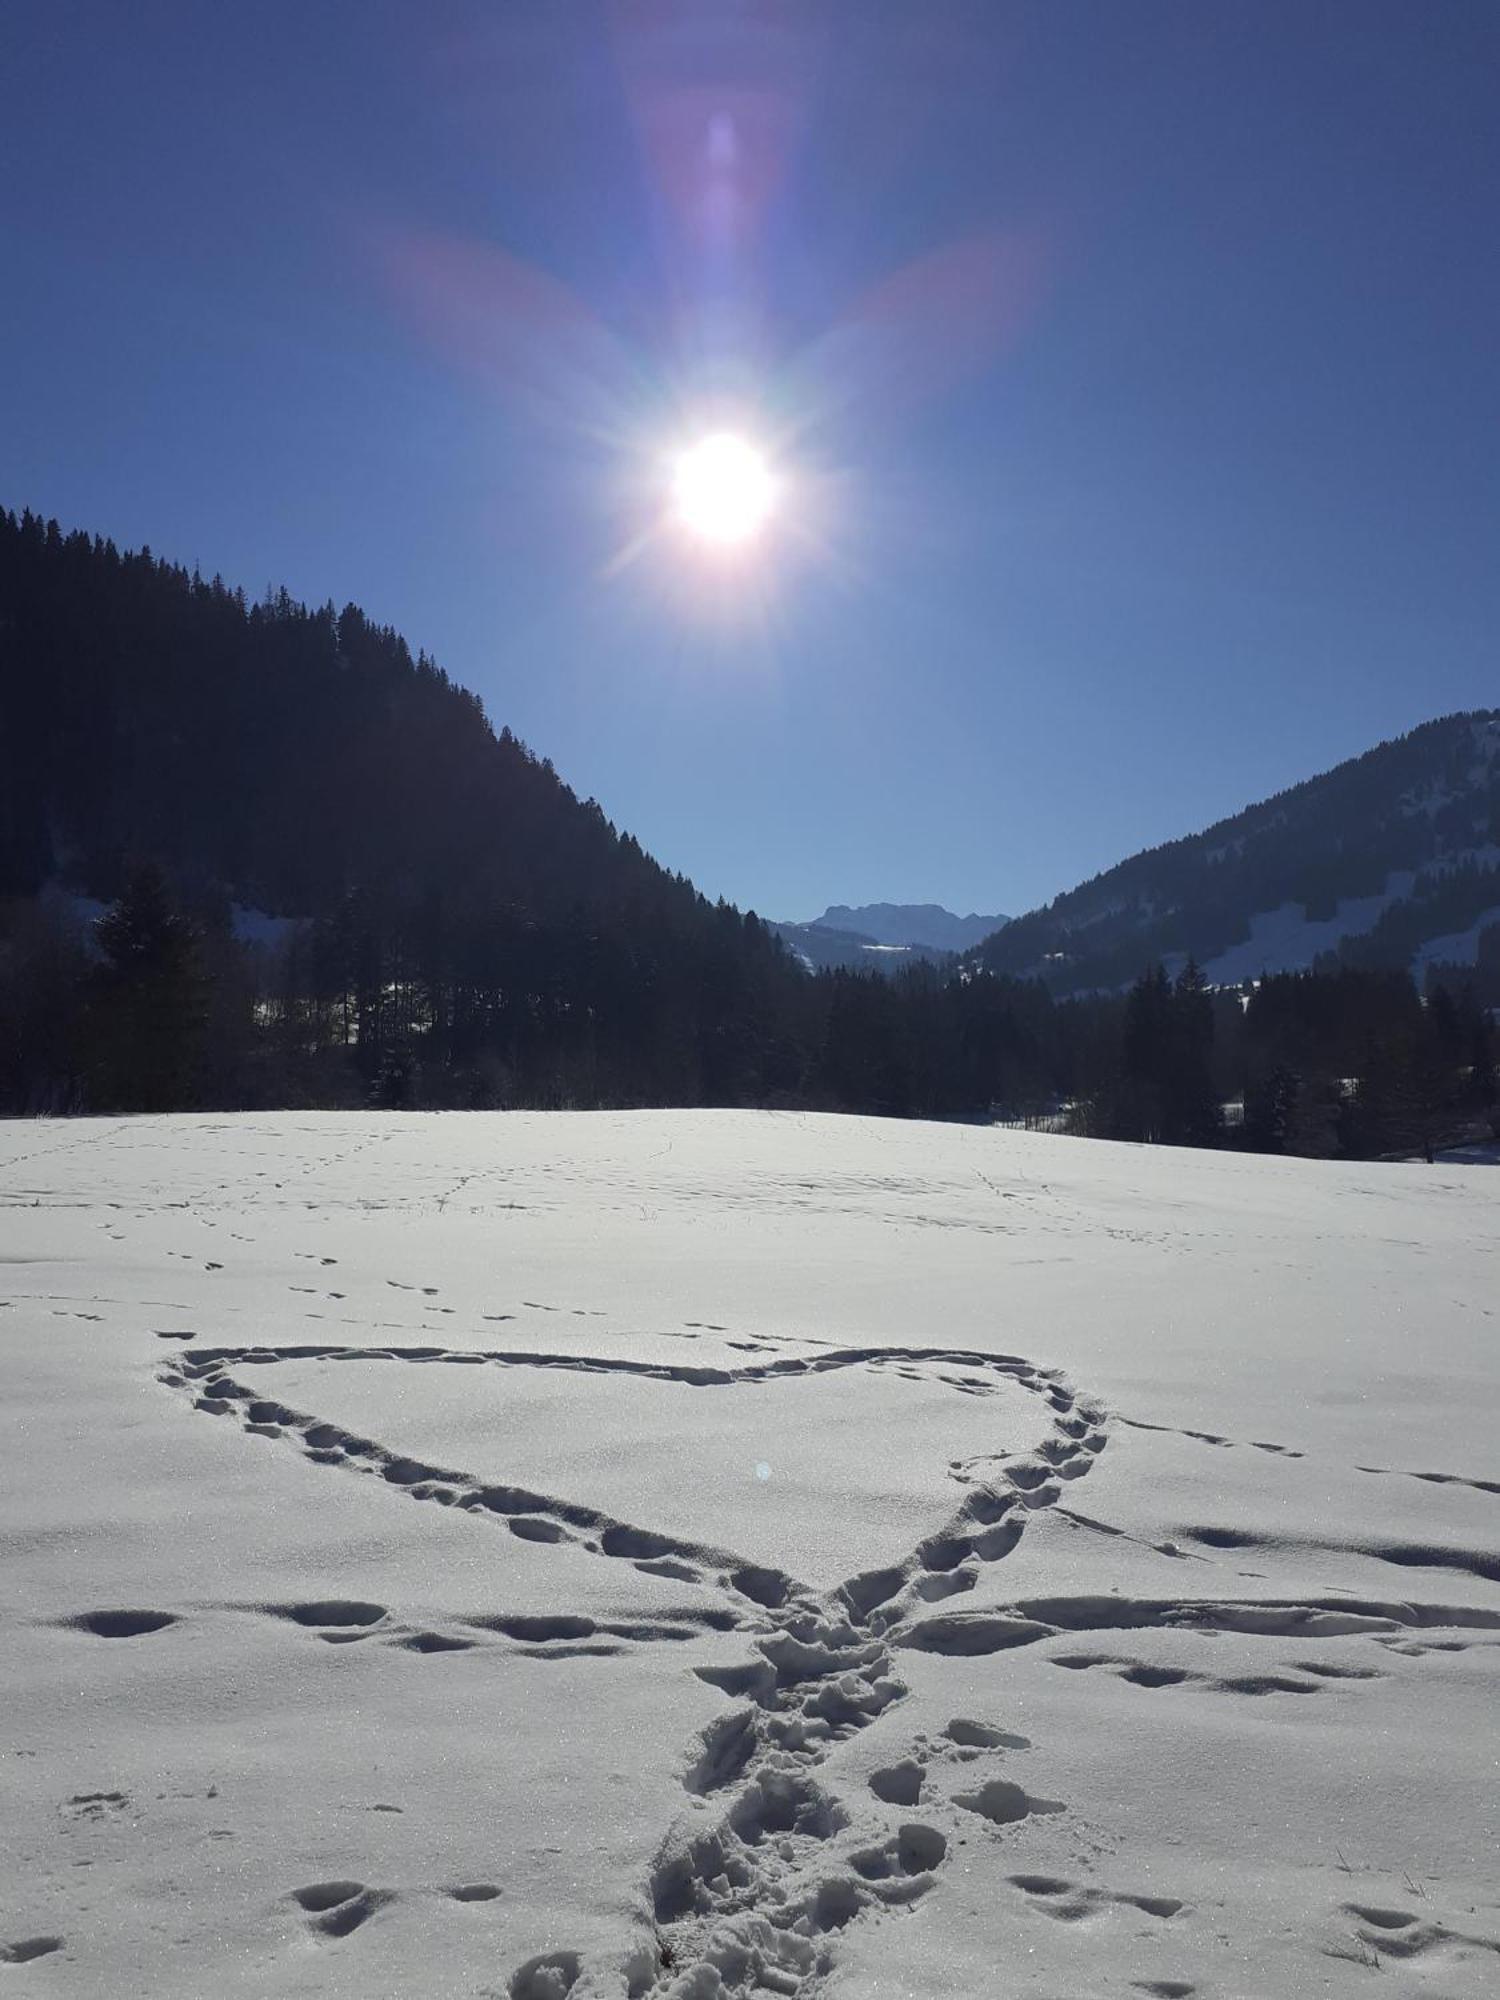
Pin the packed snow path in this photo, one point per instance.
(775, 1650)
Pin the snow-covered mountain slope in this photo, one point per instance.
(1392, 859)
(823, 950)
(705, 1554)
(882, 937)
(911, 924)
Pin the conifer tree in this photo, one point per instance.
(148, 1004)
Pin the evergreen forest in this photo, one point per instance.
(258, 855)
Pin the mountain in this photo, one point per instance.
(1391, 860)
(910, 924)
(287, 755)
(457, 906)
(823, 949)
(260, 855)
(883, 937)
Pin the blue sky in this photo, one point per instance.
(1132, 371)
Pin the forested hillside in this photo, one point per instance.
(288, 755)
(1390, 861)
(301, 763)
(257, 855)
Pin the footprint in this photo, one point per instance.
(337, 1908)
(983, 1736)
(1071, 1902)
(779, 1801)
(899, 1784)
(1143, 1674)
(536, 1528)
(728, 1745)
(20, 1951)
(549, 1976)
(913, 1849)
(336, 1611)
(1003, 1803)
(121, 1624)
(537, 1628)
(679, 1572)
(1259, 1684)
(94, 1805)
(320, 1896)
(475, 1892)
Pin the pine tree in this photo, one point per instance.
(1191, 1102)
(1484, 1089)
(148, 1005)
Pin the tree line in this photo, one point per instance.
(152, 1006)
(454, 928)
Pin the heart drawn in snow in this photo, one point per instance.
(902, 1471)
(899, 1471)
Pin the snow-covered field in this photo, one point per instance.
(678, 1554)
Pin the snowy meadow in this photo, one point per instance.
(703, 1553)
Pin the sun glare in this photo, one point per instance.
(722, 489)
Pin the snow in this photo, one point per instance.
(701, 1553)
(1287, 940)
(1486, 855)
(1455, 947)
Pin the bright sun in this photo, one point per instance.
(722, 489)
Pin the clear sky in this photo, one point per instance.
(1131, 371)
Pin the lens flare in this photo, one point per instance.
(722, 489)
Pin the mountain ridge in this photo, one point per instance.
(452, 895)
(883, 937)
(928, 924)
(1389, 859)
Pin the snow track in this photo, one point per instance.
(751, 1901)
(756, 1898)
(695, 1557)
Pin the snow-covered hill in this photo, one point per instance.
(703, 1554)
(820, 949)
(1392, 859)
